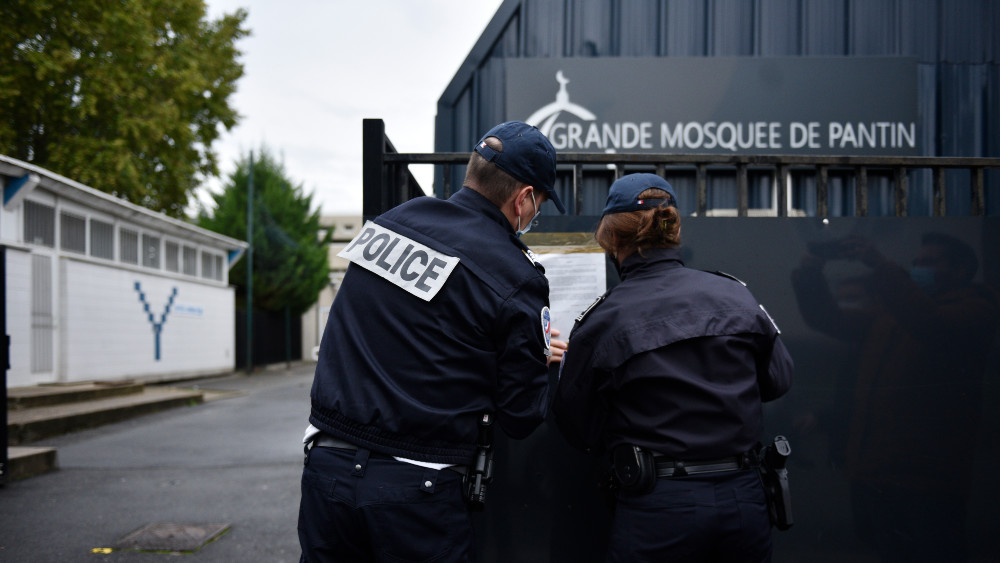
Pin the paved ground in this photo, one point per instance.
(234, 460)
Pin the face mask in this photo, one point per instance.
(527, 227)
(924, 278)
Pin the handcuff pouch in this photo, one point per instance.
(634, 468)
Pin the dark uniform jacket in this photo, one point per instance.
(410, 377)
(674, 360)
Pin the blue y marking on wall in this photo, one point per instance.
(157, 326)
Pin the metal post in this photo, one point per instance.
(373, 172)
(939, 192)
(702, 191)
(400, 175)
(901, 189)
(782, 191)
(822, 198)
(577, 189)
(742, 191)
(861, 192)
(4, 366)
(446, 181)
(250, 267)
(288, 337)
(978, 195)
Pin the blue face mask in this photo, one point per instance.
(527, 227)
(924, 278)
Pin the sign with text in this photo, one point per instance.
(720, 105)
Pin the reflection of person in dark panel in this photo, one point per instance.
(924, 341)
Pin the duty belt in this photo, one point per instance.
(673, 468)
(324, 440)
(328, 441)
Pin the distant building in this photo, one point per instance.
(98, 288)
(345, 227)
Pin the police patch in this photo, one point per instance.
(417, 268)
(547, 330)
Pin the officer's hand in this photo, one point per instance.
(558, 348)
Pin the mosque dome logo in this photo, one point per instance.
(546, 116)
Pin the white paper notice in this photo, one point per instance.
(575, 281)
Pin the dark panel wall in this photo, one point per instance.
(955, 43)
(894, 426)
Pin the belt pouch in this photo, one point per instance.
(635, 468)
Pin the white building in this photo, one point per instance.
(98, 288)
(345, 227)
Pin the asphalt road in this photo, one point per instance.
(234, 460)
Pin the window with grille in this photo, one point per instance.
(128, 246)
(72, 233)
(207, 265)
(190, 261)
(150, 251)
(102, 239)
(39, 224)
(171, 256)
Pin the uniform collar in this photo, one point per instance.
(471, 199)
(650, 256)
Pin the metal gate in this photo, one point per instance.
(934, 413)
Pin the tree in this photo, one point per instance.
(125, 96)
(290, 263)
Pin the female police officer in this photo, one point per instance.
(667, 372)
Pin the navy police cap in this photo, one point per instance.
(624, 193)
(527, 155)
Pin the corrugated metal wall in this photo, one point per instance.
(955, 42)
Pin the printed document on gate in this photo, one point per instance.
(417, 268)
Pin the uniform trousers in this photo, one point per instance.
(362, 507)
(699, 518)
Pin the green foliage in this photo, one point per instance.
(290, 263)
(125, 95)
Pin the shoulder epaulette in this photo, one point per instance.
(590, 308)
(533, 258)
(725, 275)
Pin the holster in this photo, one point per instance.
(480, 473)
(634, 468)
(771, 461)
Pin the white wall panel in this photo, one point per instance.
(108, 333)
(10, 223)
(19, 320)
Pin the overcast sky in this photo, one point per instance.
(314, 69)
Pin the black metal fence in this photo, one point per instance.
(277, 338)
(819, 186)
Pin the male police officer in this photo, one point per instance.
(441, 319)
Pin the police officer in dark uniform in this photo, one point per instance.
(441, 322)
(666, 372)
